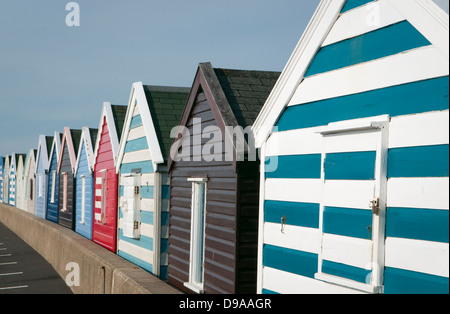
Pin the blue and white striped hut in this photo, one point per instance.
(354, 188)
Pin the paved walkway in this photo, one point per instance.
(24, 271)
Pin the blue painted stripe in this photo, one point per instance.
(164, 245)
(146, 266)
(295, 166)
(163, 271)
(380, 43)
(165, 218)
(352, 4)
(421, 161)
(345, 271)
(417, 97)
(145, 216)
(348, 222)
(148, 191)
(143, 242)
(418, 224)
(144, 166)
(165, 192)
(297, 214)
(292, 261)
(399, 281)
(137, 144)
(266, 291)
(350, 166)
(136, 121)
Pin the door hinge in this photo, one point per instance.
(136, 225)
(136, 190)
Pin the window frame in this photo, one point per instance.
(197, 237)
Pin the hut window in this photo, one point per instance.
(40, 185)
(31, 189)
(64, 206)
(197, 240)
(52, 197)
(83, 198)
(103, 196)
(130, 205)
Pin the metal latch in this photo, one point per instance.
(136, 189)
(136, 225)
(375, 206)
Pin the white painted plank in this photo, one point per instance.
(417, 255)
(294, 142)
(418, 193)
(430, 128)
(363, 20)
(411, 66)
(294, 237)
(349, 193)
(136, 251)
(288, 283)
(136, 156)
(347, 250)
(352, 141)
(294, 190)
(136, 133)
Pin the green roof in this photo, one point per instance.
(119, 112)
(166, 106)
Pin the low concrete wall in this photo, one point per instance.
(100, 270)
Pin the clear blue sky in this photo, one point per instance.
(52, 75)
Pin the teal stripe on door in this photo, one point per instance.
(292, 261)
(345, 271)
(421, 161)
(297, 214)
(417, 97)
(380, 43)
(294, 166)
(418, 224)
(356, 223)
(350, 166)
(137, 144)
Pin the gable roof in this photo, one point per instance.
(236, 96)
(44, 150)
(72, 138)
(115, 117)
(160, 108)
(87, 138)
(424, 15)
(55, 148)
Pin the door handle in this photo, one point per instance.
(375, 206)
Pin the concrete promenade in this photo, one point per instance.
(90, 268)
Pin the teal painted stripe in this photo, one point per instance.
(297, 214)
(148, 191)
(164, 245)
(399, 281)
(292, 261)
(137, 144)
(380, 43)
(418, 224)
(348, 222)
(421, 161)
(163, 271)
(352, 4)
(147, 266)
(345, 271)
(350, 166)
(144, 166)
(294, 166)
(165, 218)
(146, 216)
(165, 192)
(267, 291)
(136, 121)
(143, 242)
(417, 97)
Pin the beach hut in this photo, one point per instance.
(29, 181)
(66, 169)
(105, 177)
(14, 182)
(143, 179)
(20, 187)
(45, 175)
(214, 186)
(5, 188)
(355, 186)
(84, 184)
(2, 165)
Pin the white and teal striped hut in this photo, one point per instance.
(143, 179)
(354, 188)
